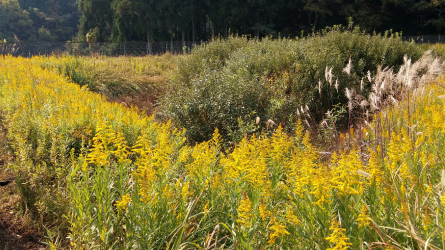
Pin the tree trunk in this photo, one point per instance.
(315, 21)
(309, 18)
(193, 29)
(188, 38)
(171, 41)
(257, 32)
(183, 38)
(149, 44)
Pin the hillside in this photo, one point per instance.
(105, 175)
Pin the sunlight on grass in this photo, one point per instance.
(110, 177)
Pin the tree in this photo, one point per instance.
(142, 14)
(369, 15)
(96, 15)
(54, 20)
(15, 21)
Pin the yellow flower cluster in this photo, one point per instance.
(122, 205)
(244, 212)
(337, 237)
(269, 190)
(363, 218)
(277, 231)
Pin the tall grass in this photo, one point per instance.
(134, 81)
(50, 122)
(272, 192)
(110, 177)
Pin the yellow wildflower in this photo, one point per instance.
(245, 211)
(442, 199)
(206, 208)
(375, 166)
(426, 218)
(291, 217)
(363, 218)
(122, 205)
(277, 231)
(299, 130)
(264, 213)
(345, 177)
(185, 191)
(338, 237)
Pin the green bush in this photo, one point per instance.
(333, 48)
(212, 55)
(229, 82)
(216, 100)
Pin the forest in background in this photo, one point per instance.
(201, 20)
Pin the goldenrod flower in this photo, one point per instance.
(426, 218)
(291, 217)
(185, 191)
(345, 177)
(442, 200)
(264, 213)
(277, 231)
(338, 238)
(299, 129)
(363, 218)
(206, 208)
(375, 166)
(122, 204)
(245, 211)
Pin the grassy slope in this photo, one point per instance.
(133, 81)
(417, 169)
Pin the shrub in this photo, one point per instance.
(227, 83)
(216, 101)
(334, 48)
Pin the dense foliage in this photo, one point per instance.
(202, 20)
(43, 21)
(195, 20)
(115, 179)
(226, 84)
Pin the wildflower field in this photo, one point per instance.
(103, 175)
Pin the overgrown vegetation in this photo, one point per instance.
(227, 83)
(133, 81)
(107, 176)
(113, 178)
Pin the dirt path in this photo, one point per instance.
(17, 230)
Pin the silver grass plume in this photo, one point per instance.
(349, 93)
(387, 85)
(270, 124)
(336, 85)
(348, 67)
(328, 75)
